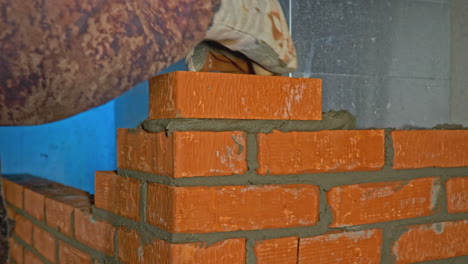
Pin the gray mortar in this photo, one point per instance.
(332, 120)
(250, 257)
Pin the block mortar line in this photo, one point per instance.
(143, 200)
(331, 179)
(454, 260)
(390, 235)
(59, 236)
(26, 246)
(252, 152)
(250, 257)
(388, 148)
(57, 251)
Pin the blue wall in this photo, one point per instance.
(71, 150)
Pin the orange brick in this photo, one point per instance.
(280, 251)
(457, 195)
(31, 258)
(348, 247)
(44, 242)
(379, 202)
(432, 241)
(120, 195)
(16, 251)
(234, 96)
(430, 148)
(24, 228)
(59, 216)
(34, 204)
(69, 254)
(231, 208)
(13, 193)
(96, 234)
(183, 154)
(324, 151)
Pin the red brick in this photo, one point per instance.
(234, 96)
(34, 204)
(380, 202)
(430, 148)
(31, 258)
(457, 195)
(132, 249)
(59, 216)
(120, 195)
(11, 212)
(183, 154)
(432, 241)
(280, 251)
(24, 228)
(69, 254)
(96, 234)
(324, 151)
(349, 247)
(13, 193)
(16, 251)
(44, 242)
(231, 208)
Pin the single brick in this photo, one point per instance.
(280, 251)
(44, 242)
(119, 195)
(432, 241)
(183, 154)
(134, 249)
(16, 251)
(348, 247)
(24, 228)
(430, 148)
(11, 212)
(380, 202)
(457, 195)
(69, 254)
(59, 216)
(234, 96)
(231, 208)
(34, 204)
(96, 234)
(13, 193)
(324, 151)
(31, 258)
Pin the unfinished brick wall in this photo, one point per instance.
(245, 169)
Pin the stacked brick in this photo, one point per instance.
(213, 177)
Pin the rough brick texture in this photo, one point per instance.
(96, 234)
(59, 216)
(324, 151)
(31, 258)
(16, 251)
(69, 254)
(432, 241)
(457, 195)
(44, 242)
(183, 154)
(361, 247)
(34, 204)
(231, 208)
(430, 148)
(120, 195)
(132, 249)
(13, 193)
(24, 228)
(379, 202)
(277, 251)
(215, 95)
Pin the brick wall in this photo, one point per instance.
(246, 169)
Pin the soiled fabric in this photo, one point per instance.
(59, 58)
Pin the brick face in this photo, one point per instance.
(120, 195)
(16, 251)
(361, 247)
(277, 251)
(24, 228)
(231, 208)
(233, 96)
(430, 148)
(324, 151)
(59, 216)
(183, 154)
(31, 258)
(379, 202)
(457, 195)
(13, 193)
(34, 204)
(432, 241)
(44, 242)
(69, 254)
(96, 234)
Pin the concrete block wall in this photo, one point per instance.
(247, 169)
